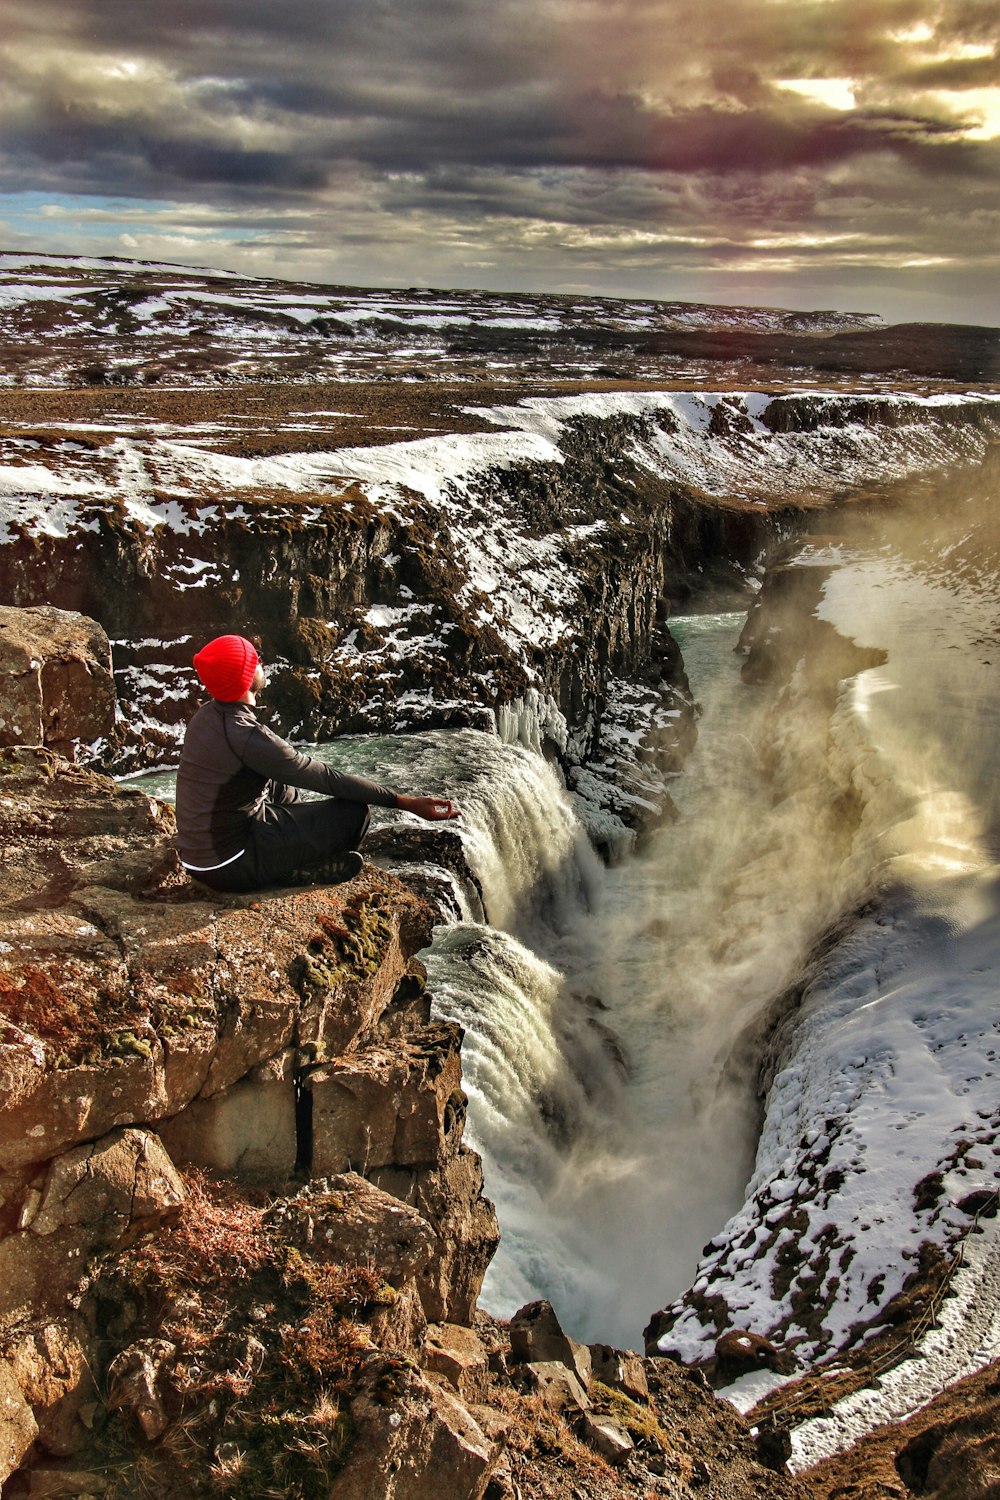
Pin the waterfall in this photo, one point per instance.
(601, 1005)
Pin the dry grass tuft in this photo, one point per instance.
(269, 1348)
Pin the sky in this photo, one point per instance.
(790, 153)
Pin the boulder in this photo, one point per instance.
(49, 1482)
(248, 1129)
(390, 1106)
(95, 1198)
(464, 1225)
(606, 1436)
(121, 1009)
(56, 685)
(351, 1221)
(620, 1369)
(536, 1335)
(137, 1378)
(400, 1326)
(52, 1366)
(357, 954)
(558, 1386)
(738, 1352)
(458, 1355)
(65, 1106)
(18, 1428)
(413, 1441)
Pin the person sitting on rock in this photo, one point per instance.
(240, 822)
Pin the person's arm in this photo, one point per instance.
(269, 755)
(434, 809)
(273, 757)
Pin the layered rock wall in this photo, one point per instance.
(314, 576)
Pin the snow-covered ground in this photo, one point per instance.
(519, 581)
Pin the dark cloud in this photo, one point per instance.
(512, 132)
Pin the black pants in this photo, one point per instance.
(290, 843)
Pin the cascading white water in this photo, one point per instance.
(676, 953)
(602, 1007)
(600, 1004)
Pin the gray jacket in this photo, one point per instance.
(232, 768)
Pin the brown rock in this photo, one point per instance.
(351, 1221)
(116, 1188)
(460, 1356)
(248, 1129)
(738, 1352)
(56, 687)
(18, 1428)
(390, 1106)
(464, 1224)
(620, 1369)
(401, 1326)
(559, 1387)
(95, 1198)
(413, 1441)
(606, 1437)
(71, 1105)
(52, 1366)
(51, 1483)
(358, 951)
(536, 1335)
(136, 1377)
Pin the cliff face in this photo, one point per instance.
(532, 548)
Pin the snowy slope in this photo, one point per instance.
(881, 1128)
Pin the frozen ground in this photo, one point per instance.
(68, 322)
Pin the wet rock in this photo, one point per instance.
(402, 847)
(537, 1335)
(399, 1106)
(18, 1428)
(783, 629)
(414, 1440)
(56, 687)
(95, 1198)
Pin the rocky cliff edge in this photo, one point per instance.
(241, 1240)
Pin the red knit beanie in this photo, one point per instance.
(226, 666)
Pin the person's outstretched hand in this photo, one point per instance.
(434, 809)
